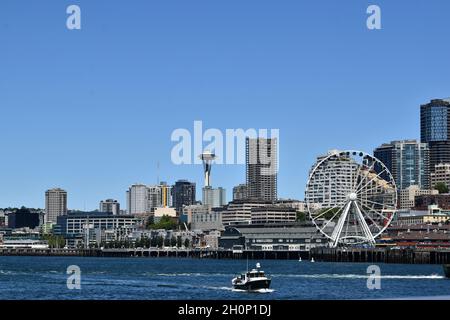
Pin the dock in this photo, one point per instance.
(321, 254)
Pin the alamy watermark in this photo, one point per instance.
(374, 277)
(74, 277)
(73, 22)
(374, 20)
(229, 146)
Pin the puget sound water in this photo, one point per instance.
(23, 278)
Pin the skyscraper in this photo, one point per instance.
(408, 162)
(55, 204)
(110, 205)
(435, 130)
(166, 194)
(154, 197)
(262, 168)
(137, 199)
(183, 194)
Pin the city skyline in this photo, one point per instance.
(73, 122)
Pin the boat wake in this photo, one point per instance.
(356, 276)
(254, 291)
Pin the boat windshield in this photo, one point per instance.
(256, 274)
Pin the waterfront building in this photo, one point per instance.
(55, 204)
(110, 205)
(212, 239)
(23, 218)
(408, 196)
(273, 214)
(272, 237)
(432, 215)
(240, 211)
(214, 197)
(183, 194)
(94, 227)
(435, 130)
(24, 244)
(441, 174)
(262, 168)
(422, 202)
(407, 160)
(191, 210)
(417, 234)
(207, 221)
(240, 192)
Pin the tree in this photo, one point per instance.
(329, 213)
(165, 222)
(173, 242)
(187, 243)
(166, 242)
(159, 242)
(301, 216)
(179, 242)
(441, 187)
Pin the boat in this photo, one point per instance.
(300, 259)
(252, 280)
(312, 260)
(447, 270)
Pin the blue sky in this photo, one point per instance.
(92, 111)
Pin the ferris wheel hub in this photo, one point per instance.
(353, 196)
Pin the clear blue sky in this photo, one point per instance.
(92, 111)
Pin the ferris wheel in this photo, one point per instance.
(351, 197)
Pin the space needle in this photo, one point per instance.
(207, 157)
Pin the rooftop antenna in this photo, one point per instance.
(157, 173)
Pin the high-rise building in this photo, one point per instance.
(110, 205)
(137, 199)
(166, 194)
(214, 197)
(435, 130)
(262, 168)
(183, 194)
(240, 192)
(154, 197)
(441, 174)
(408, 162)
(323, 188)
(55, 204)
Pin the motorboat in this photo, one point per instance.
(252, 280)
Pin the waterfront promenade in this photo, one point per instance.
(361, 255)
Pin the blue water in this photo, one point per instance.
(170, 278)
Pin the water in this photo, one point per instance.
(170, 278)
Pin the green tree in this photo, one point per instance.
(179, 242)
(301, 216)
(165, 222)
(329, 213)
(441, 187)
(173, 242)
(187, 243)
(159, 242)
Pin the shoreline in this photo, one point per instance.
(356, 255)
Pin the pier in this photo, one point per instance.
(356, 255)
